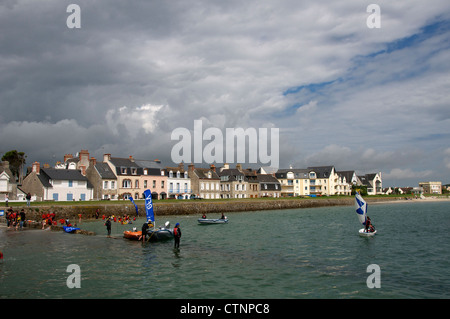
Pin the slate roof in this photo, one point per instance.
(322, 171)
(47, 174)
(105, 171)
(298, 173)
(203, 173)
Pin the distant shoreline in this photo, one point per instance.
(197, 207)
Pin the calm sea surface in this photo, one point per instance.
(301, 253)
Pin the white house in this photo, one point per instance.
(178, 182)
(58, 184)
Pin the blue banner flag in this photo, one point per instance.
(149, 206)
(137, 210)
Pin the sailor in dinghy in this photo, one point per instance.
(361, 211)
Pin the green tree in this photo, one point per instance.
(16, 161)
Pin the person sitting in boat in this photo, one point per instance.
(369, 227)
(223, 216)
(204, 216)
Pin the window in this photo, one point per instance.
(171, 174)
(136, 184)
(123, 170)
(83, 197)
(105, 185)
(70, 183)
(55, 196)
(178, 174)
(185, 175)
(133, 171)
(126, 183)
(162, 184)
(145, 171)
(113, 184)
(145, 183)
(154, 183)
(69, 196)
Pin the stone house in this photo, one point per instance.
(103, 180)
(205, 182)
(233, 182)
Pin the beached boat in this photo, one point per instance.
(361, 211)
(69, 229)
(206, 221)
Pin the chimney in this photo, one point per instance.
(36, 167)
(84, 155)
(239, 167)
(131, 158)
(106, 157)
(67, 156)
(213, 167)
(191, 167)
(83, 170)
(158, 161)
(181, 166)
(93, 161)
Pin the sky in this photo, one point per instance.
(340, 93)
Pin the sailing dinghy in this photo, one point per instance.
(361, 211)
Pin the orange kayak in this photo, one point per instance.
(133, 235)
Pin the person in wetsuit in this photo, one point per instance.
(145, 227)
(177, 235)
(108, 226)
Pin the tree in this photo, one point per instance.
(16, 161)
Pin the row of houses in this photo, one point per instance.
(84, 178)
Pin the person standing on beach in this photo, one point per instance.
(177, 235)
(108, 226)
(22, 218)
(28, 199)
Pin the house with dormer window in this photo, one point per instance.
(57, 184)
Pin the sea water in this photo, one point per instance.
(298, 253)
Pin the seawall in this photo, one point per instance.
(192, 207)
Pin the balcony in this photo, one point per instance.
(180, 191)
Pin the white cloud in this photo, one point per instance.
(133, 120)
(407, 173)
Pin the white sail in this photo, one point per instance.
(361, 208)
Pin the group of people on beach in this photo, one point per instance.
(15, 219)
